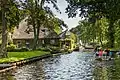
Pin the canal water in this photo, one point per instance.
(73, 66)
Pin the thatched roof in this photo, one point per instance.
(21, 32)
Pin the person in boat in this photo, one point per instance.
(97, 53)
(104, 54)
(100, 53)
(96, 50)
(107, 52)
(110, 55)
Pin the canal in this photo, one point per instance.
(73, 66)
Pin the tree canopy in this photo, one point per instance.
(95, 10)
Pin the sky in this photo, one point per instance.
(71, 22)
(62, 4)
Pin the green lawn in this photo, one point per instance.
(16, 56)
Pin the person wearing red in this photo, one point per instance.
(100, 53)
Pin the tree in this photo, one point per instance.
(96, 9)
(101, 29)
(92, 32)
(39, 15)
(36, 16)
(55, 24)
(117, 33)
(3, 52)
(10, 18)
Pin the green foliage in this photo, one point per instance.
(54, 48)
(18, 50)
(23, 49)
(73, 37)
(117, 33)
(13, 14)
(11, 47)
(43, 49)
(93, 32)
(16, 56)
(56, 24)
(57, 30)
(95, 10)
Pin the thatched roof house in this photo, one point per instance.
(24, 35)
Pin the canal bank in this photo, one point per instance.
(20, 58)
(16, 59)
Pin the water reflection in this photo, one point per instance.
(6, 76)
(33, 71)
(74, 66)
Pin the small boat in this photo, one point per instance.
(103, 58)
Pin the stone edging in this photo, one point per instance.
(21, 62)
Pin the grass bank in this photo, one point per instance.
(16, 56)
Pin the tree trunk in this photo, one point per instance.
(3, 51)
(111, 32)
(38, 31)
(35, 38)
(36, 35)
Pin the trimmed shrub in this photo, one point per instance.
(20, 50)
(55, 48)
(43, 49)
(24, 49)
(11, 47)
